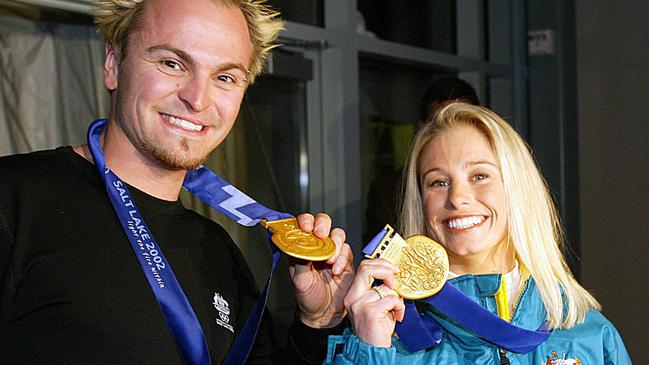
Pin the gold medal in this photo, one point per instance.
(423, 263)
(293, 241)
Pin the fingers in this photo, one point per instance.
(374, 310)
(298, 266)
(320, 225)
(338, 236)
(379, 298)
(382, 291)
(305, 221)
(368, 271)
(378, 269)
(343, 260)
(399, 310)
(386, 300)
(379, 293)
(390, 301)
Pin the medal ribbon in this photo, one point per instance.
(417, 332)
(222, 196)
(175, 306)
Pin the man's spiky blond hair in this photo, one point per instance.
(116, 19)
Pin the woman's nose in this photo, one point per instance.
(459, 194)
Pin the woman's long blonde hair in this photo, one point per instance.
(533, 223)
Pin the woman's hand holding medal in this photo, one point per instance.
(374, 310)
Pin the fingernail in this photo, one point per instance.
(320, 230)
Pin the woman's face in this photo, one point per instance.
(463, 195)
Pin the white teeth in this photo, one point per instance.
(181, 123)
(467, 222)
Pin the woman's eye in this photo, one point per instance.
(439, 183)
(479, 177)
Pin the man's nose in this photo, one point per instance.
(195, 93)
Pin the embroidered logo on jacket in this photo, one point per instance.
(223, 308)
(554, 359)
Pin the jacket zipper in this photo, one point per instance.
(502, 353)
(518, 298)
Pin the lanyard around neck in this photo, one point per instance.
(175, 306)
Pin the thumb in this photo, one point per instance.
(297, 267)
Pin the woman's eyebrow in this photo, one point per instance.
(480, 162)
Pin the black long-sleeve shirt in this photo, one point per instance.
(72, 291)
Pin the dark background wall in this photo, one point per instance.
(589, 129)
(613, 100)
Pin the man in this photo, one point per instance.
(383, 195)
(70, 289)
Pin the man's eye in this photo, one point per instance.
(170, 67)
(230, 80)
(171, 64)
(227, 79)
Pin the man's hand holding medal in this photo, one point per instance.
(321, 266)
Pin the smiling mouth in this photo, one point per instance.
(464, 222)
(182, 123)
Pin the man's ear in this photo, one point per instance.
(111, 64)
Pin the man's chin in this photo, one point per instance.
(174, 161)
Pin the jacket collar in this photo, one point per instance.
(530, 312)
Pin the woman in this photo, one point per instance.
(472, 185)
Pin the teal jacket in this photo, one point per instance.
(595, 341)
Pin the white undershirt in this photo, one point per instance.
(513, 282)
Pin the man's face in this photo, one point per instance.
(178, 89)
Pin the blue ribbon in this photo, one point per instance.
(180, 316)
(428, 331)
(222, 196)
(418, 332)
